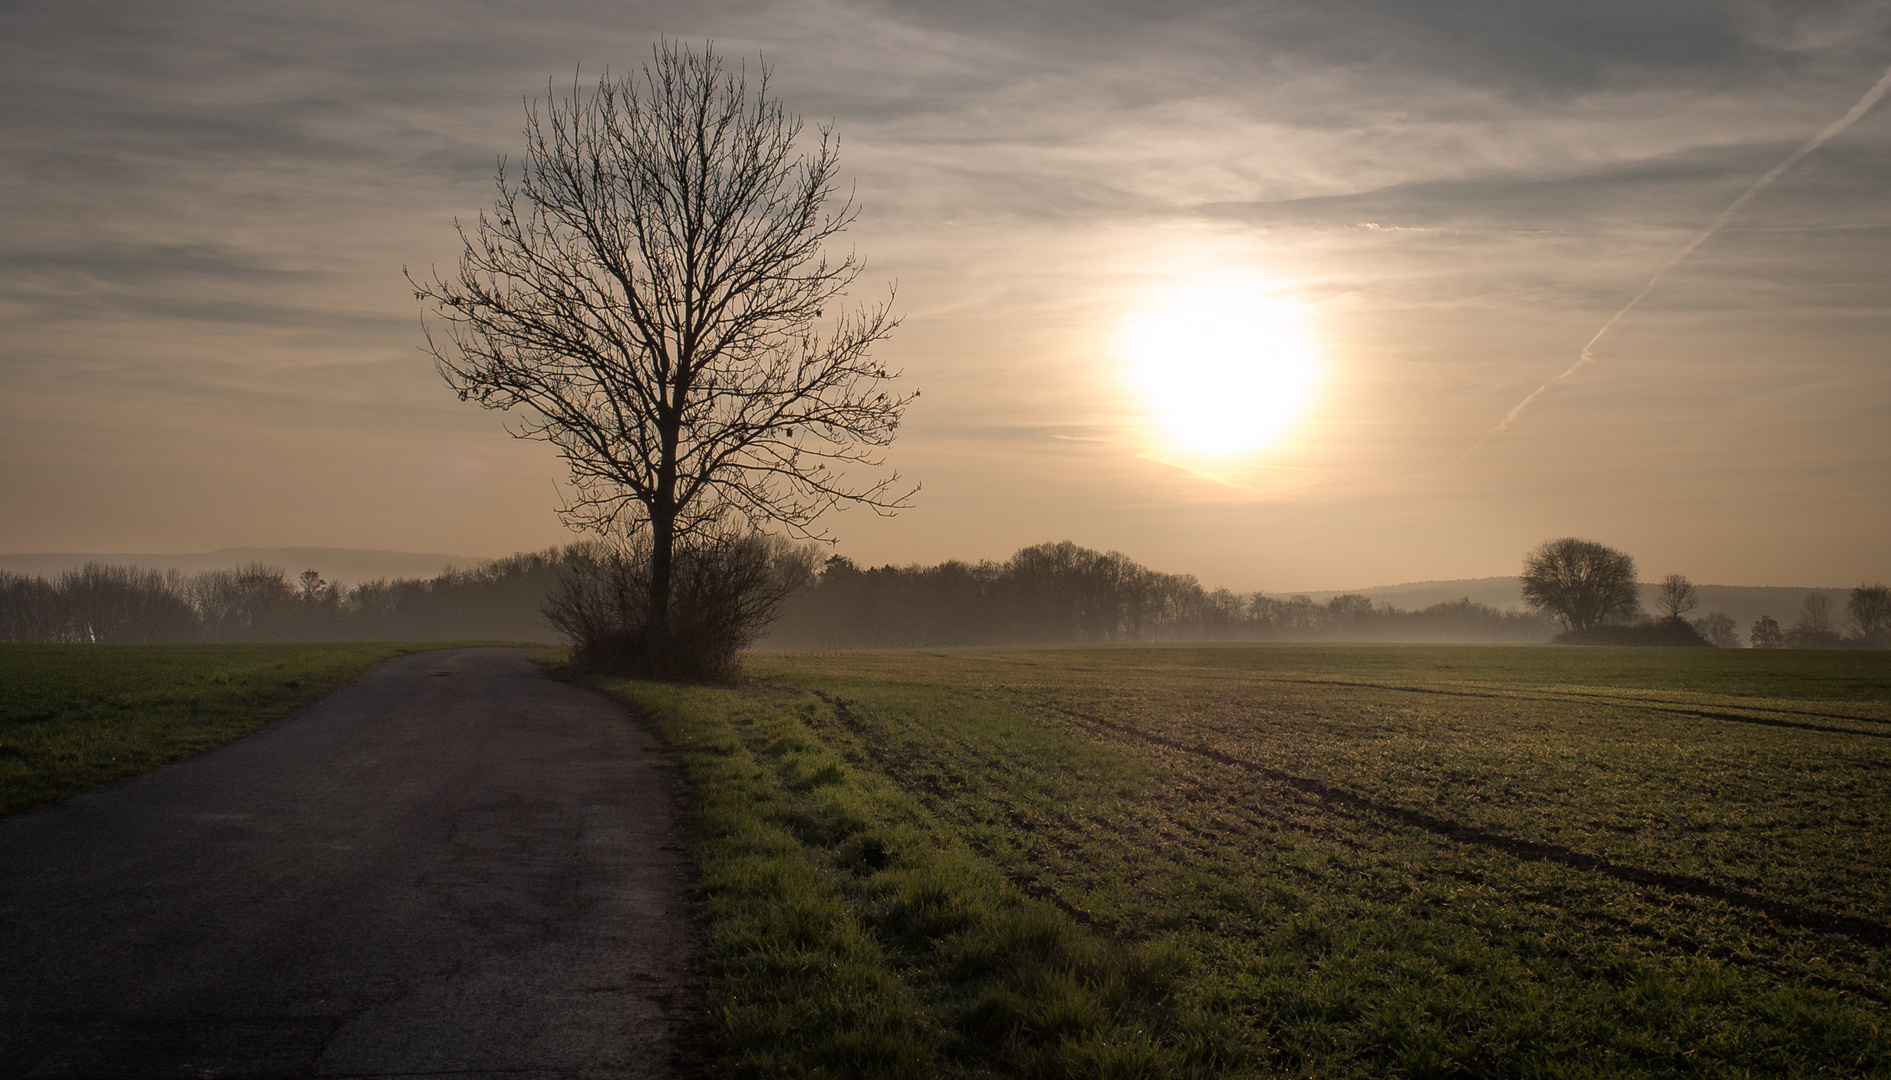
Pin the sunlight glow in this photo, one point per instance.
(1222, 368)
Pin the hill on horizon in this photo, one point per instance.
(1743, 603)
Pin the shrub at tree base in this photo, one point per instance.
(724, 591)
(1671, 633)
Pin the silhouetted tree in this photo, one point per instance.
(250, 603)
(101, 602)
(1766, 633)
(1870, 609)
(1814, 629)
(1297, 612)
(1678, 596)
(1581, 582)
(30, 609)
(1719, 629)
(649, 292)
(1815, 614)
(1349, 607)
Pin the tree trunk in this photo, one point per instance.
(663, 511)
(662, 555)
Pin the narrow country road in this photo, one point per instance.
(453, 866)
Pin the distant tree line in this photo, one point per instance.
(1056, 593)
(502, 600)
(1047, 594)
(1867, 626)
(1592, 591)
(1062, 593)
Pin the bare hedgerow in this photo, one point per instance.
(726, 587)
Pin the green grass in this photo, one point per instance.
(78, 717)
(1293, 860)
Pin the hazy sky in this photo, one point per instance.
(205, 339)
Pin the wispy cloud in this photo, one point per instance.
(1587, 356)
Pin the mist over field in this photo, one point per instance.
(1048, 594)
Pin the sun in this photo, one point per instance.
(1222, 369)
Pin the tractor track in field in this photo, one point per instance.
(1851, 927)
(1627, 704)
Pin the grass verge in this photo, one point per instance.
(78, 717)
(845, 937)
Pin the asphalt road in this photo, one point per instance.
(453, 866)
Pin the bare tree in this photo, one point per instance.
(651, 292)
(1870, 609)
(1814, 629)
(1581, 582)
(1815, 618)
(310, 586)
(1719, 630)
(1678, 596)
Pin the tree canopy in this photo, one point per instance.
(1581, 582)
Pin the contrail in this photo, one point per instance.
(1864, 105)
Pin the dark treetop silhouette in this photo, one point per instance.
(1581, 582)
(649, 292)
(1678, 596)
